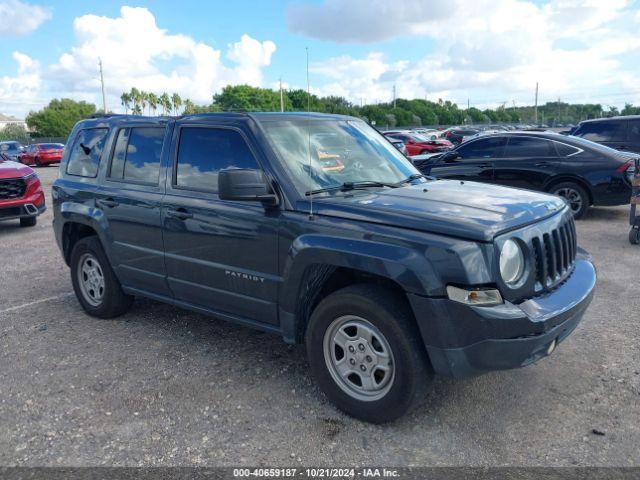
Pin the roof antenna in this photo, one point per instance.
(309, 134)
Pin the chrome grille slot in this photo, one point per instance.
(12, 188)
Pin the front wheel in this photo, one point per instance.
(94, 282)
(634, 236)
(576, 197)
(366, 353)
(38, 162)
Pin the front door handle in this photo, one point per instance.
(107, 203)
(179, 213)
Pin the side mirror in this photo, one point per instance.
(245, 185)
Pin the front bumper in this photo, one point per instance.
(29, 206)
(464, 341)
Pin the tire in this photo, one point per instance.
(38, 163)
(389, 324)
(28, 221)
(97, 289)
(424, 152)
(634, 236)
(576, 196)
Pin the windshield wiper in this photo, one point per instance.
(346, 186)
(411, 178)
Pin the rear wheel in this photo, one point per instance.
(366, 353)
(38, 162)
(575, 195)
(634, 236)
(94, 282)
(28, 221)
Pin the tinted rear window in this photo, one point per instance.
(203, 152)
(84, 159)
(50, 146)
(136, 156)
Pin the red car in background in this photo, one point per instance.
(418, 145)
(21, 194)
(40, 154)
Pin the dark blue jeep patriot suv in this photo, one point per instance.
(316, 228)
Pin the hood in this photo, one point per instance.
(13, 170)
(476, 211)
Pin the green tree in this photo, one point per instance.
(247, 98)
(15, 131)
(125, 100)
(152, 100)
(165, 103)
(58, 118)
(176, 101)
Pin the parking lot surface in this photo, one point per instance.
(164, 386)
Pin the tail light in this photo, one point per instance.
(628, 169)
(624, 167)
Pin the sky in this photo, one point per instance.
(483, 53)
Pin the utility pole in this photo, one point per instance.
(104, 97)
(281, 97)
(535, 111)
(394, 96)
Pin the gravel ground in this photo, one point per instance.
(163, 386)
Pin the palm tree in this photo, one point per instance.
(152, 98)
(177, 102)
(144, 97)
(165, 102)
(125, 100)
(189, 107)
(136, 98)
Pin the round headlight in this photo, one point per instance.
(511, 262)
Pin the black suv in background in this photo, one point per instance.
(314, 227)
(621, 133)
(583, 172)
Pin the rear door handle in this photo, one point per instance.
(107, 203)
(179, 213)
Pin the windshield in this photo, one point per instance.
(328, 153)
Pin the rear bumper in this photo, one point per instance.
(464, 341)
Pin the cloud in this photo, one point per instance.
(491, 51)
(20, 18)
(366, 20)
(20, 92)
(135, 51)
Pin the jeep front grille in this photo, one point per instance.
(554, 254)
(12, 188)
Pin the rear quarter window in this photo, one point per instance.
(86, 152)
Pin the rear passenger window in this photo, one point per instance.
(203, 152)
(565, 150)
(518, 147)
(136, 156)
(84, 159)
(634, 131)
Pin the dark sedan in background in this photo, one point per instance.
(583, 172)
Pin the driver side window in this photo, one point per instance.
(481, 149)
